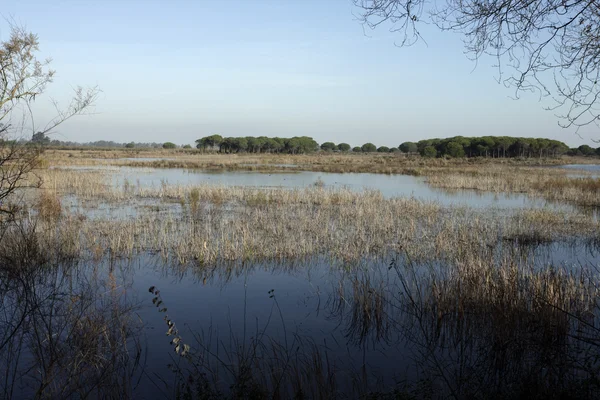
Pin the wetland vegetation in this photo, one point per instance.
(117, 285)
(451, 268)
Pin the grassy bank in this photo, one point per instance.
(321, 162)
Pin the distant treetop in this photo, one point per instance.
(261, 144)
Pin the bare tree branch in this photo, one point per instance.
(551, 47)
(22, 79)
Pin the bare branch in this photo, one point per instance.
(551, 47)
(22, 79)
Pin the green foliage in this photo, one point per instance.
(233, 145)
(261, 144)
(344, 147)
(209, 142)
(455, 149)
(408, 147)
(328, 146)
(491, 146)
(130, 145)
(187, 146)
(586, 150)
(169, 145)
(429, 151)
(368, 148)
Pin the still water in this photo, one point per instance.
(388, 185)
(315, 301)
(355, 316)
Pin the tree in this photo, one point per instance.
(547, 46)
(254, 144)
(40, 138)
(301, 145)
(455, 149)
(23, 79)
(328, 146)
(242, 144)
(187, 146)
(209, 142)
(408, 147)
(383, 149)
(368, 148)
(169, 145)
(130, 145)
(484, 145)
(357, 149)
(344, 147)
(429, 151)
(586, 150)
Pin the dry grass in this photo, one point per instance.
(71, 324)
(372, 163)
(485, 327)
(461, 282)
(549, 183)
(48, 205)
(239, 224)
(490, 175)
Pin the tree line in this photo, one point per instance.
(454, 147)
(261, 144)
(42, 139)
(494, 146)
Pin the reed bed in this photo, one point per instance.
(205, 225)
(496, 176)
(465, 296)
(488, 329)
(479, 327)
(65, 331)
(548, 183)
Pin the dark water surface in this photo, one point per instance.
(359, 322)
(313, 303)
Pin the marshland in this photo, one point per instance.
(241, 258)
(126, 277)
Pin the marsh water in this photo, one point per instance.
(309, 307)
(312, 312)
(388, 185)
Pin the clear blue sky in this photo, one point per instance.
(179, 70)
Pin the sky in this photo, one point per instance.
(180, 70)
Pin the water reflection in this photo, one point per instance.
(66, 330)
(481, 326)
(388, 185)
(585, 170)
(473, 308)
(374, 324)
